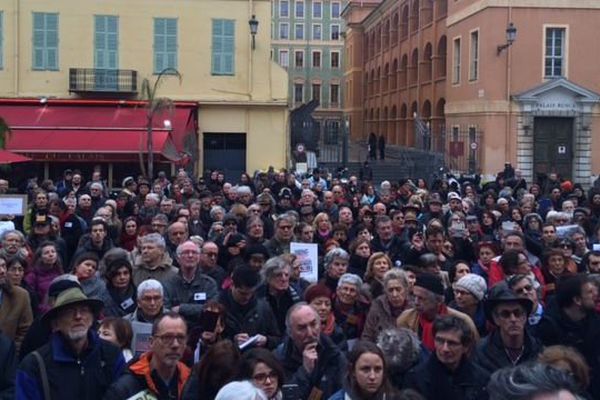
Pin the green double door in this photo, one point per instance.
(553, 146)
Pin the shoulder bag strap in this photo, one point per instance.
(43, 374)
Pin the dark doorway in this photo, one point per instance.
(553, 146)
(225, 152)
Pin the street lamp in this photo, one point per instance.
(253, 29)
(511, 35)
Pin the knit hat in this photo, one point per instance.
(316, 290)
(473, 284)
(430, 282)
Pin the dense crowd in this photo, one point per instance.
(185, 288)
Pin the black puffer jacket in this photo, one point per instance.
(254, 318)
(435, 382)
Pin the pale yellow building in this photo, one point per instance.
(84, 55)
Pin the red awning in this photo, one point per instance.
(51, 144)
(102, 129)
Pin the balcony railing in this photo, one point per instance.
(102, 80)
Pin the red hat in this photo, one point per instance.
(316, 290)
(566, 186)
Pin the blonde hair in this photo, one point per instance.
(369, 275)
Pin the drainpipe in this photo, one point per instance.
(17, 68)
(507, 151)
(250, 53)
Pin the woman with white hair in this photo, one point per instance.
(276, 289)
(150, 302)
(335, 264)
(240, 390)
(350, 307)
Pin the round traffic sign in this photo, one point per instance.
(474, 146)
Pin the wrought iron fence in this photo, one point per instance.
(463, 149)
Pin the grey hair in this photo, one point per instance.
(161, 218)
(153, 196)
(526, 381)
(240, 390)
(96, 185)
(273, 265)
(350, 279)
(149, 284)
(13, 232)
(293, 309)
(286, 218)
(395, 274)
(401, 347)
(214, 210)
(179, 249)
(243, 190)
(154, 238)
(332, 254)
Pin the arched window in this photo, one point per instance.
(414, 67)
(426, 71)
(441, 57)
(394, 74)
(394, 29)
(405, 22)
(403, 71)
(414, 16)
(402, 125)
(385, 78)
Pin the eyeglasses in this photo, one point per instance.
(285, 227)
(524, 289)
(261, 378)
(505, 314)
(211, 255)
(168, 340)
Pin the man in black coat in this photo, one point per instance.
(8, 360)
(573, 321)
(448, 374)
(510, 344)
(310, 359)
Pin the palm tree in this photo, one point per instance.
(154, 105)
(4, 133)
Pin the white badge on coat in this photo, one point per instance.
(200, 296)
(127, 303)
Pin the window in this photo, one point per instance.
(284, 58)
(474, 57)
(299, 9)
(316, 91)
(335, 9)
(456, 63)
(165, 44)
(335, 59)
(284, 8)
(299, 31)
(316, 32)
(335, 32)
(223, 47)
(316, 59)
(298, 93)
(1, 40)
(299, 59)
(284, 30)
(334, 93)
(45, 41)
(106, 40)
(554, 62)
(317, 10)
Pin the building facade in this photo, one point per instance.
(307, 40)
(74, 70)
(470, 85)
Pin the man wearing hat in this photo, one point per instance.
(434, 209)
(75, 363)
(428, 292)
(510, 344)
(129, 187)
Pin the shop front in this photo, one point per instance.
(108, 135)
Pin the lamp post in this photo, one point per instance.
(511, 36)
(253, 22)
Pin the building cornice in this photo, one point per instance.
(476, 107)
(481, 5)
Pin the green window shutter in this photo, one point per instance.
(51, 41)
(39, 26)
(165, 44)
(1, 40)
(106, 42)
(223, 47)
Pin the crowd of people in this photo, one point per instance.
(185, 288)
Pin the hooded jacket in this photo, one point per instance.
(139, 379)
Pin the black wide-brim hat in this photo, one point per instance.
(501, 294)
